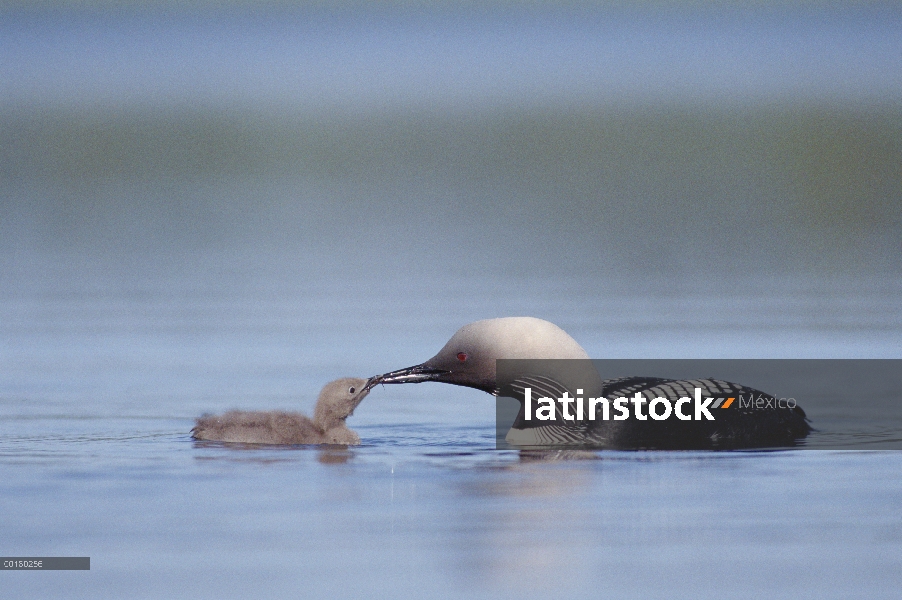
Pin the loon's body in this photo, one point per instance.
(336, 402)
(469, 359)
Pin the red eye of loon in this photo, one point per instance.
(461, 356)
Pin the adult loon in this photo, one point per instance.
(337, 401)
(469, 359)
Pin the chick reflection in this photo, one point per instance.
(333, 455)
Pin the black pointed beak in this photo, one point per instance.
(370, 384)
(414, 374)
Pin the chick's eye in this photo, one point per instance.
(350, 390)
(461, 356)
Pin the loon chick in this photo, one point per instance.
(468, 359)
(337, 401)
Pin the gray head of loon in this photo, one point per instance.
(468, 359)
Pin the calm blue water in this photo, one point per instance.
(99, 393)
(204, 210)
